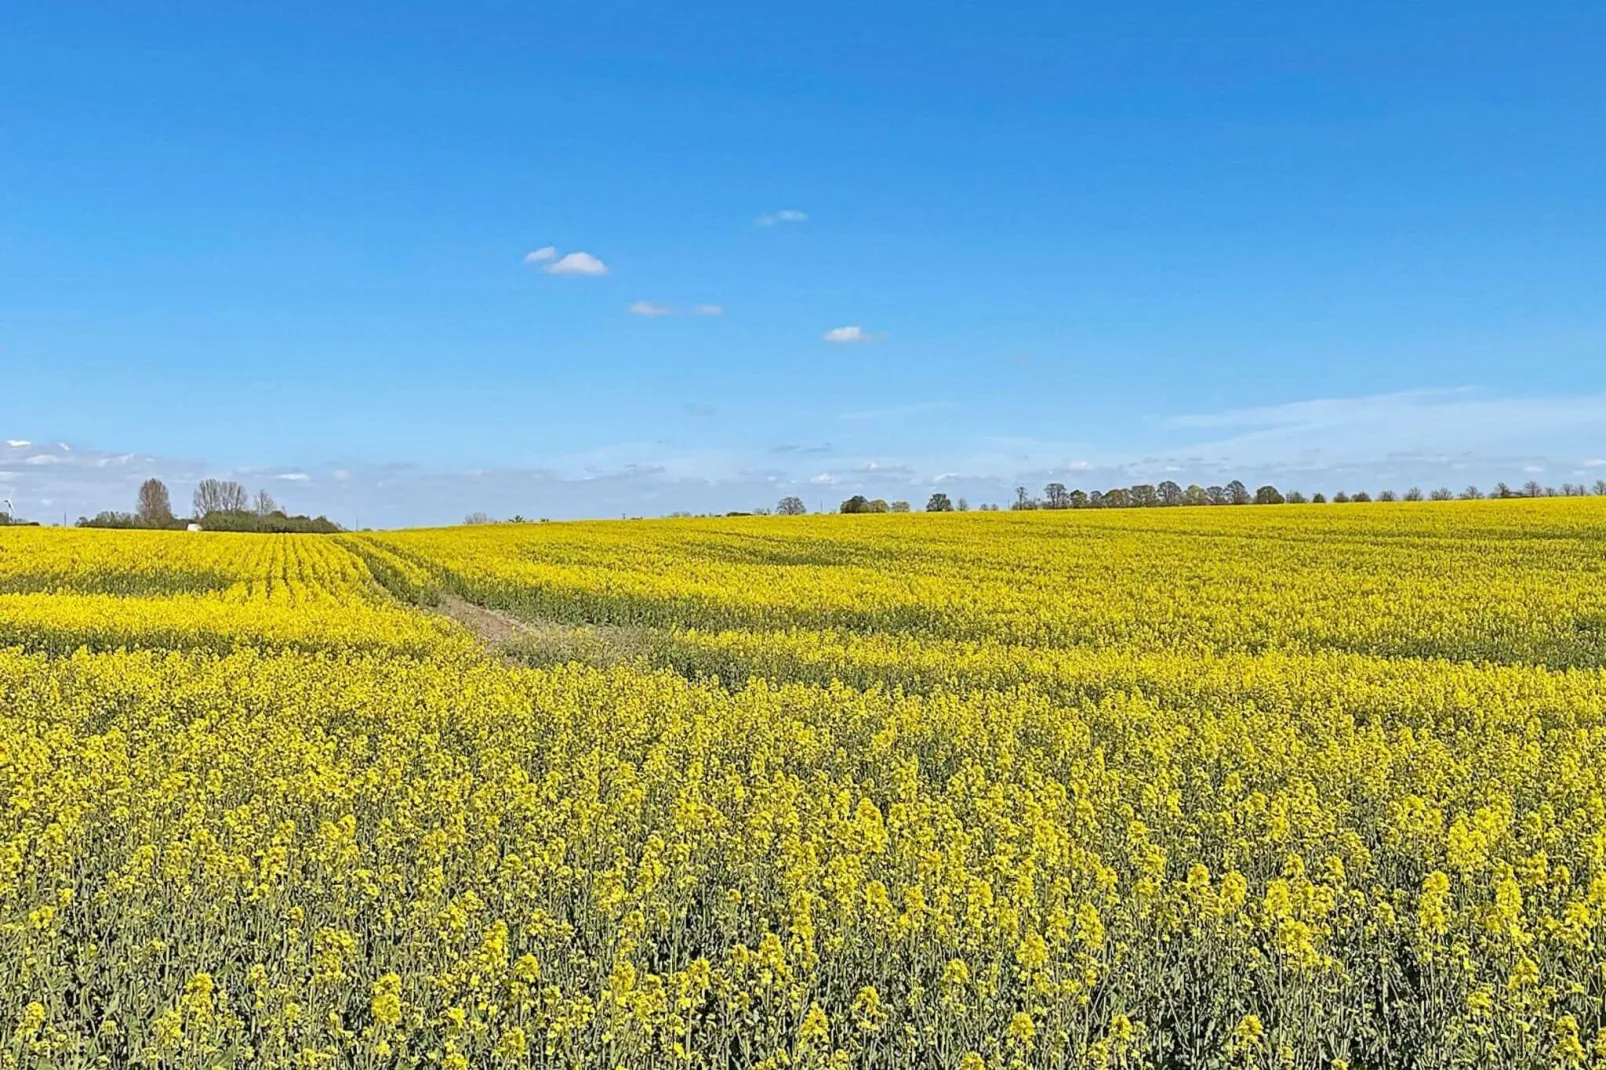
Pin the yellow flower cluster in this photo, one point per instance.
(1305, 787)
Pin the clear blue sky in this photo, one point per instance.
(1330, 245)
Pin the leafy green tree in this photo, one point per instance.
(939, 503)
(1268, 495)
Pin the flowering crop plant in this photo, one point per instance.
(1304, 786)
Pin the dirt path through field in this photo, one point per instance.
(492, 626)
(547, 642)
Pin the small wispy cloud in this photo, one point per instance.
(709, 310)
(18, 443)
(785, 215)
(580, 264)
(541, 255)
(824, 479)
(1595, 462)
(647, 308)
(294, 477)
(850, 335)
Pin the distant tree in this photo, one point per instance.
(155, 508)
(856, 504)
(1268, 495)
(1117, 498)
(1387, 496)
(484, 518)
(1600, 486)
(1532, 489)
(1360, 496)
(1078, 499)
(1143, 496)
(1318, 498)
(1414, 494)
(1095, 500)
(1056, 497)
(219, 496)
(1549, 492)
(1340, 498)
(962, 505)
(791, 505)
(877, 505)
(1023, 500)
(1217, 496)
(1471, 493)
(1169, 492)
(265, 504)
(1238, 494)
(939, 503)
(1294, 497)
(1442, 494)
(1195, 495)
(900, 507)
(110, 518)
(1503, 490)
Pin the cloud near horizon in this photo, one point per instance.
(1426, 438)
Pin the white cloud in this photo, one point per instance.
(546, 252)
(18, 443)
(293, 477)
(709, 310)
(581, 264)
(42, 458)
(1595, 463)
(785, 215)
(647, 308)
(1532, 469)
(847, 335)
(824, 479)
(340, 475)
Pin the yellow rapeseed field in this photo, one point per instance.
(1290, 786)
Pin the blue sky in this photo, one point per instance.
(1333, 246)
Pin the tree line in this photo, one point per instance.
(218, 505)
(1171, 493)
